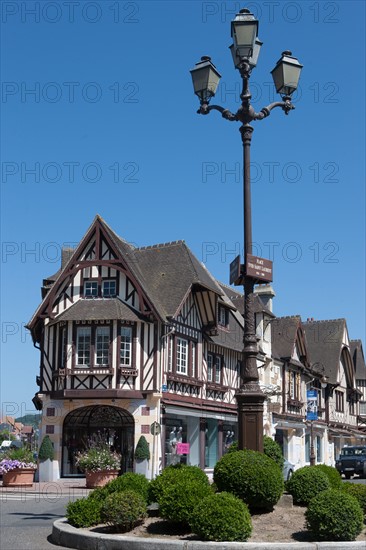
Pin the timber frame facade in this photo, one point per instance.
(129, 337)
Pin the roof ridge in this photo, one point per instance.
(152, 246)
(324, 320)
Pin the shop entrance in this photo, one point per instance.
(112, 425)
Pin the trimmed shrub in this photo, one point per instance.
(334, 515)
(335, 478)
(46, 450)
(124, 510)
(356, 490)
(142, 451)
(170, 475)
(252, 476)
(178, 499)
(272, 449)
(221, 517)
(84, 512)
(307, 482)
(131, 481)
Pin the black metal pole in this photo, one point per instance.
(250, 398)
(312, 450)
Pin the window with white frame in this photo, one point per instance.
(214, 368)
(363, 408)
(182, 356)
(102, 345)
(339, 398)
(125, 357)
(193, 360)
(90, 289)
(109, 288)
(223, 316)
(209, 367)
(83, 345)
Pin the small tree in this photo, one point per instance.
(46, 449)
(142, 451)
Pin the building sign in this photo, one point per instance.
(259, 269)
(235, 272)
(164, 388)
(183, 448)
(312, 405)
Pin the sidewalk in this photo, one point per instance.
(67, 487)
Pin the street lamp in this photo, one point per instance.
(245, 51)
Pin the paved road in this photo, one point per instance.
(26, 519)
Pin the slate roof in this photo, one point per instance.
(165, 272)
(98, 309)
(284, 330)
(358, 359)
(325, 343)
(170, 271)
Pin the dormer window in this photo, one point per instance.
(223, 317)
(91, 289)
(109, 289)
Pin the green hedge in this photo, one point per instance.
(123, 511)
(84, 512)
(334, 477)
(356, 490)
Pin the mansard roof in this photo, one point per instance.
(325, 344)
(358, 359)
(102, 309)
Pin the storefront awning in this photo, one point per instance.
(287, 425)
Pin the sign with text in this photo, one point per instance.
(183, 448)
(235, 272)
(259, 268)
(312, 405)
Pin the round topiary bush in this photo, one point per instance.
(123, 511)
(335, 516)
(170, 475)
(334, 477)
(84, 512)
(129, 480)
(356, 490)
(272, 449)
(177, 500)
(221, 517)
(252, 476)
(306, 483)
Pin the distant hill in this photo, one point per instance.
(30, 420)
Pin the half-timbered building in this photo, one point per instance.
(130, 337)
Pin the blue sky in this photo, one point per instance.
(99, 116)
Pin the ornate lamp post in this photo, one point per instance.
(245, 51)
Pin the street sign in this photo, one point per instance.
(164, 388)
(155, 428)
(259, 269)
(235, 272)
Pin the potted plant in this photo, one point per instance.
(142, 455)
(99, 462)
(48, 467)
(17, 468)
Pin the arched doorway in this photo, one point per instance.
(111, 424)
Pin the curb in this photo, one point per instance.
(64, 534)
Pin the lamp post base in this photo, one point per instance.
(250, 399)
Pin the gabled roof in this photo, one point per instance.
(165, 273)
(284, 332)
(171, 270)
(358, 359)
(325, 344)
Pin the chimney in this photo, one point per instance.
(66, 254)
(266, 294)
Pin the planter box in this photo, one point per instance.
(99, 479)
(48, 470)
(19, 477)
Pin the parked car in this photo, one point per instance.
(352, 460)
(288, 470)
